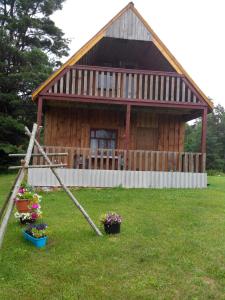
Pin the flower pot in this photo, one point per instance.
(39, 243)
(23, 205)
(112, 229)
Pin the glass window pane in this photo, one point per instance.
(94, 144)
(102, 144)
(92, 133)
(101, 133)
(104, 134)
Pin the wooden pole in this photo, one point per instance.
(38, 154)
(204, 127)
(37, 166)
(8, 196)
(39, 116)
(98, 232)
(21, 174)
(203, 138)
(127, 132)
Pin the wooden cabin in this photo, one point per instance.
(118, 107)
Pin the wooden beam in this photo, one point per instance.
(8, 196)
(123, 70)
(127, 131)
(204, 128)
(39, 116)
(38, 154)
(16, 186)
(38, 166)
(123, 101)
(72, 197)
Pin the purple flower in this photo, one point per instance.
(21, 190)
(111, 218)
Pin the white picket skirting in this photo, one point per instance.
(109, 178)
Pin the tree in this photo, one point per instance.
(30, 48)
(215, 158)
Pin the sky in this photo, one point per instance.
(193, 30)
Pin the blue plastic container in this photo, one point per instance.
(39, 243)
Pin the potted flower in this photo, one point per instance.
(36, 234)
(23, 200)
(111, 222)
(35, 207)
(30, 210)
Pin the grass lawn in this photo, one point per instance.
(172, 246)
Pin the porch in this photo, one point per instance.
(125, 160)
(125, 168)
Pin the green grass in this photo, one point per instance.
(172, 246)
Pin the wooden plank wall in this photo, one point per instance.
(70, 127)
(129, 26)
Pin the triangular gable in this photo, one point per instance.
(126, 17)
(129, 26)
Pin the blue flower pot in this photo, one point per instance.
(39, 243)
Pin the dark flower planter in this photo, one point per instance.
(112, 229)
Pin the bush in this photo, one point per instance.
(212, 172)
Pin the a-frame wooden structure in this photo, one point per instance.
(7, 208)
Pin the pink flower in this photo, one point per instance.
(21, 190)
(35, 206)
(34, 216)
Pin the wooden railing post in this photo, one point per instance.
(203, 138)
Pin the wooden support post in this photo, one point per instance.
(127, 132)
(204, 126)
(203, 138)
(16, 186)
(72, 197)
(127, 135)
(39, 116)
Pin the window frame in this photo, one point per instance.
(107, 139)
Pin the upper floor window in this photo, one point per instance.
(103, 139)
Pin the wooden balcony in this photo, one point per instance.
(123, 84)
(131, 160)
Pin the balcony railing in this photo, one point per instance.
(102, 82)
(132, 160)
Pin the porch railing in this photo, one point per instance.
(129, 84)
(133, 160)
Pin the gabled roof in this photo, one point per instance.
(106, 31)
